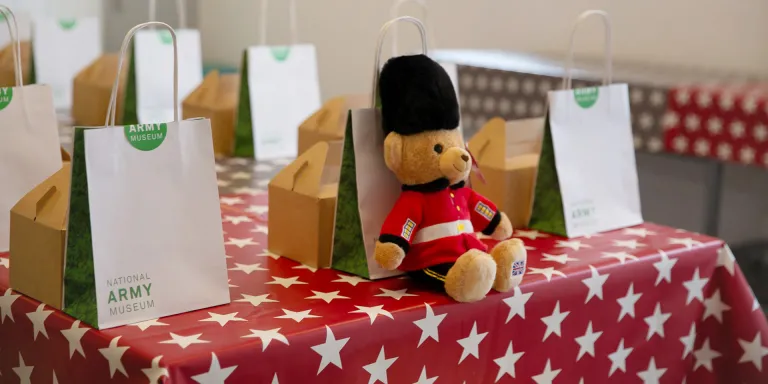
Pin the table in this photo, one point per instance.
(633, 305)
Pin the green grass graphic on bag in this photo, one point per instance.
(6, 96)
(79, 277)
(548, 214)
(348, 252)
(244, 125)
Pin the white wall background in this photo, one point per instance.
(727, 34)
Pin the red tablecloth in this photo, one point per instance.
(643, 305)
(723, 122)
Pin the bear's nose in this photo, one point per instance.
(465, 157)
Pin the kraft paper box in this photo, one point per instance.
(91, 90)
(216, 99)
(330, 121)
(38, 237)
(7, 71)
(508, 156)
(302, 205)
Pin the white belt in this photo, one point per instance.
(439, 231)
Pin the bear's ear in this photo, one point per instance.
(393, 151)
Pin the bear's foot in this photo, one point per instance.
(471, 277)
(511, 257)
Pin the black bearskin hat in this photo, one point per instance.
(416, 96)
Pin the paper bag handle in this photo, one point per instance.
(13, 31)
(291, 15)
(393, 12)
(112, 109)
(380, 43)
(181, 12)
(608, 50)
(43, 201)
(304, 164)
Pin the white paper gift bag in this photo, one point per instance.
(61, 49)
(145, 237)
(587, 177)
(29, 148)
(279, 90)
(367, 188)
(148, 92)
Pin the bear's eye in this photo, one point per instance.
(438, 148)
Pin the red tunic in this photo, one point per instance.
(438, 227)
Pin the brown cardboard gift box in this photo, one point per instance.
(216, 99)
(302, 205)
(330, 121)
(38, 236)
(7, 68)
(508, 156)
(92, 88)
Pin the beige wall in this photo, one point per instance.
(727, 34)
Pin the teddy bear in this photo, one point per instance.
(430, 233)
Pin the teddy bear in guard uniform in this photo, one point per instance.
(431, 231)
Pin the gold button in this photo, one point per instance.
(460, 227)
(458, 208)
(451, 194)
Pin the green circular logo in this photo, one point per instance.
(165, 36)
(146, 137)
(2, 17)
(6, 95)
(67, 24)
(280, 53)
(585, 97)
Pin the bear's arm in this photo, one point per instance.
(403, 220)
(483, 213)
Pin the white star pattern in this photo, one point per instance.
(231, 201)
(724, 151)
(73, 335)
(216, 374)
(307, 267)
(237, 219)
(423, 378)
(241, 176)
(572, 244)
(326, 296)
(397, 295)
(664, 266)
(256, 300)
(682, 97)
(619, 358)
(184, 341)
(747, 155)
(692, 122)
(516, 303)
(548, 375)
(562, 259)
(285, 282)
(554, 321)
(714, 306)
(4, 262)
(248, 190)
(688, 341)
(704, 99)
(144, 325)
(296, 316)
(258, 228)
(6, 301)
(350, 279)
(587, 342)
(378, 369)
(749, 105)
(636, 96)
(223, 319)
(23, 371)
(114, 356)
(622, 257)
(241, 243)
(656, 322)
(726, 259)
(652, 375)
(507, 362)
(680, 143)
(754, 351)
(533, 235)
(646, 121)
(373, 312)
(701, 147)
(726, 101)
(267, 253)
(429, 325)
(687, 242)
(155, 372)
(640, 232)
(267, 336)
(247, 268)
(547, 272)
(715, 126)
(655, 144)
(760, 132)
(470, 344)
(330, 351)
(628, 302)
(38, 318)
(631, 244)
(695, 287)
(671, 119)
(737, 129)
(704, 356)
(657, 98)
(595, 284)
